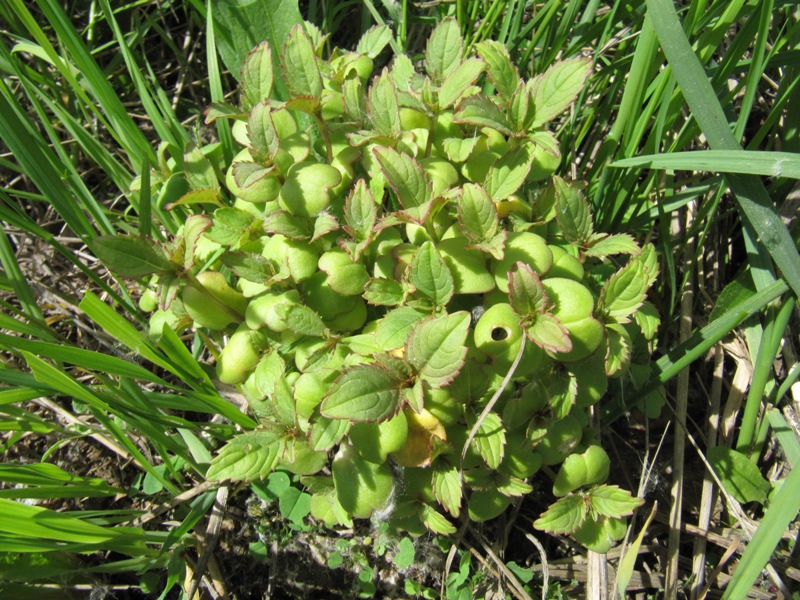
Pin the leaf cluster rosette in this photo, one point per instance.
(390, 272)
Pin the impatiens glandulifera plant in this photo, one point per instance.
(418, 312)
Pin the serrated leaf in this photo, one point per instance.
(741, 477)
(648, 319)
(261, 131)
(283, 405)
(199, 196)
(360, 212)
(618, 352)
(325, 433)
(405, 176)
(248, 456)
(613, 502)
(519, 108)
(601, 245)
(355, 101)
(649, 261)
(324, 224)
(430, 275)
(444, 51)
(459, 149)
(501, 71)
(494, 246)
(547, 331)
(482, 112)
(477, 214)
(458, 81)
(230, 226)
(513, 486)
(572, 212)
(447, 489)
(288, 225)
(434, 521)
(435, 347)
(131, 256)
(248, 265)
(301, 319)
(223, 110)
(299, 63)
(384, 292)
(306, 104)
(246, 173)
(565, 516)
(394, 327)
(624, 292)
(198, 169)
(257, 75)
(526, 293)
(508, 173)
(374, 40)
(555, 89)
(562, 392)
(490, 440)
(383, 107)
(193, 228)
(364, 392)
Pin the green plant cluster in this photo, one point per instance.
(390, 273)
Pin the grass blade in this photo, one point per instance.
(747, 162)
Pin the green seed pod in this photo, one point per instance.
(214, 304)
(240, 355)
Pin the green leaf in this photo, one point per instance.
(562, 391)
(602, 245)
(394, 327)
(198, 169)
(430, 275)
(383, 107)
(230, 226)
(480, 111)
(384, 292)
(458, 149)
(458, 81)
(248, 456)
(447, 489)
(286, 224)
(248, 265)
(613, 502)
(490, 440)
(364, 392)
(406, 553)
(739, 290)
(526, 293)
(741, 477)
(324, 224)
(257, 75)
(477, 214)
(301, 319)
(360, 212)
(221, 110)
(247, 173)
(547, 331)
(405, 176)
(501, 71)
(264, 139)
(519, 109)
(572, 212)
(748, 162)
(283, 404)
(512, 486)
(355, 100)
(193, 228)
(565, 516)
(624, 292)
(555, 89)
(131, 256)
(508, 173)
(294, 505)
(435, 347)
(374, 40)
(325, 433)
(618, 353)
(444, 51)
(648, 319)
(434, 521)
(299, 65)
